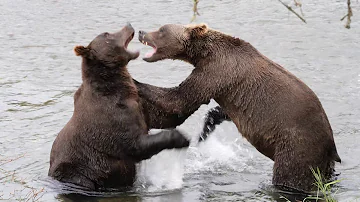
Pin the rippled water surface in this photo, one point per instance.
(40, 73)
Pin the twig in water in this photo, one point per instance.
(290, 9)
(34, 195)
(11, 160)
(348, 15)
(299, 4)
(195, 10)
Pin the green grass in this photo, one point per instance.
(324, 190)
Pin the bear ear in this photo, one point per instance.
(81, 51)
(198, 30)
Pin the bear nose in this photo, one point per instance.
(141, 35)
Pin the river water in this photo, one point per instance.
(40, 73)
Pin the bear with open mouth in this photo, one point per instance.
(273, 109)
(108, 131)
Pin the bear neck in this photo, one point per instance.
(212, 46)
(108, 80)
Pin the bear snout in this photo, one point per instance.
(141, 35)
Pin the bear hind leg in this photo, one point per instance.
(292, 171)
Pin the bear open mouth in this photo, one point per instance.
(152, 52)
(129, 39)
(133, 54)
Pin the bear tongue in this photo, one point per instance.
(150, 53)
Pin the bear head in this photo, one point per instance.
(109, 49)
(174, 41)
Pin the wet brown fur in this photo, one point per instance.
(108, 131)
(275, 111)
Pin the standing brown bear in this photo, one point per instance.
(275, 111)
(108, 132)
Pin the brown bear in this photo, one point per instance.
(274, 110)
(108, 132)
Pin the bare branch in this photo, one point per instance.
(290, 9)
(344, 17)
(348, 15)
(10, 160)
(195, 10)
(299, 4)
(33, 194)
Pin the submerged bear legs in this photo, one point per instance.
(292, 169)
(68, 173)
(122, 174)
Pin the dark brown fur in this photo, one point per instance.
(275, 111)
(108, 132)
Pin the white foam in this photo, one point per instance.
(163, 171)
(216, 155)
(221, 152)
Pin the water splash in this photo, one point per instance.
(216, 155)
(163, 171)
